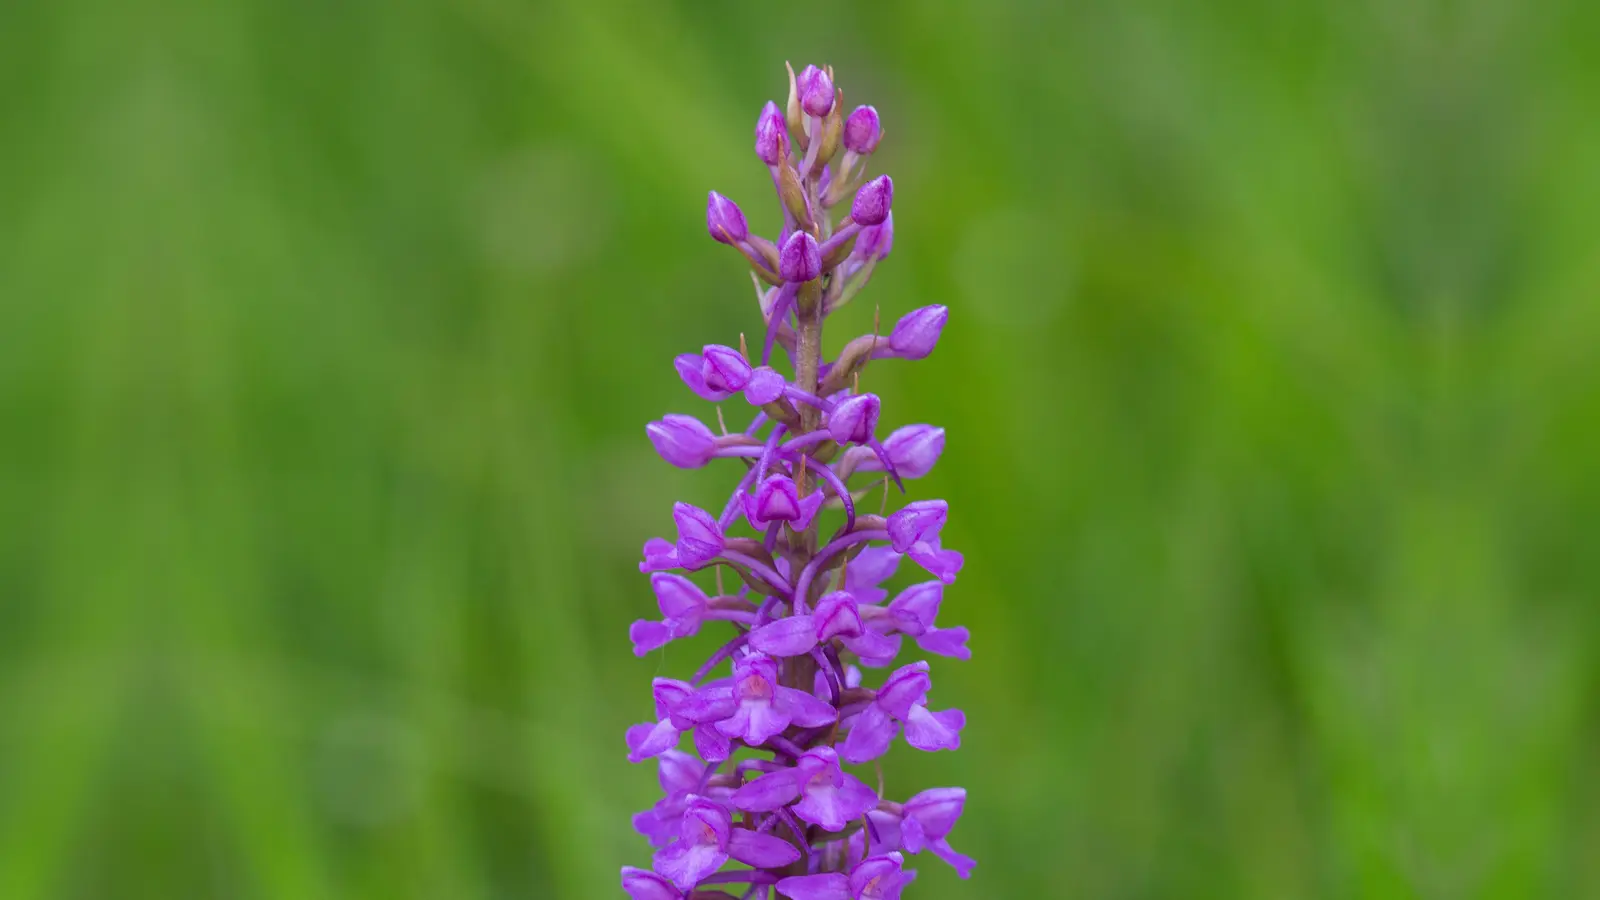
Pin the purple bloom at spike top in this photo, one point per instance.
(752, 750)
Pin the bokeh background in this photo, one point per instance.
(328, 331)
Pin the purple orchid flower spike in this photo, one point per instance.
(914, 531)
(875, 878)
(774, 708)
(901, 701)
(706, 841)
(754, 707)
(830, 797)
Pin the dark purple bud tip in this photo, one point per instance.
(770, 134)
(724, 368)
(871, 206)
(862, 131)
(816, 91)
(917, 332)
(853, 419)
(682, 441)
(801, 258)
(725, 220)
(875, 241)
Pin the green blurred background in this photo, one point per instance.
(329, 328)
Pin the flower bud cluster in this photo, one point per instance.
(752, 750)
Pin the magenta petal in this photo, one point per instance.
(805, 710)
(764, 851)
(942, 564)
(937, 810)
(831, 886)
(677, 596)
(963, 864)
(830, 807)
(765, 386)
(754, 721)
(912, 836)
(711, 745)
(809, 504)
(950, 642)
(709, 704)
(678, 771)
(786, 637)
(870, 736)
(648, 635)
(934, 731)
(644, 885)
(662, 737)
(767, 792)
(636, 734)
(873, 646)
(906, 687)
(685, 863)
(659, 553)
(688, 366)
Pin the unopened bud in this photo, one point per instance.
(917, 332)
(770, 135)
(725, 220)
(873, 201)
(683, 441)
(862, 131)
(816, 91)
(800, 259)
(724, 368)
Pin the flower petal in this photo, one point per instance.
(950, 642)
(873, 646)
(661, 737)
(805, 710)
(830, 886)
(934, 731)
(679, 771)
(831, 808)
(685, 863)
(791, 636)
(645, 885)
(963, 864)
(767, 792)
(711, 746)
(869, 737)
(648, 635)
(940, 563)
(764, 851)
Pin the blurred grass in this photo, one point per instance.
(328, 330)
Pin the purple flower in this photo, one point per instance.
(683, 605)
(917, 332)
(647, 740)
(913, 450)
(800, 259)
(679, 774)
(707, 838)
(836, 616)
(875, 241)
(771, 135)
(913, 613)
(862, 131)
(902, 700)
(699, 541)
(876, 878)
(871, 206)
(928, 819)
(830, 797)
(852, 419)
(725, 220)
(683, 441)
(816, 91)
(777, 499)
(914, 531)
(754, 706)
